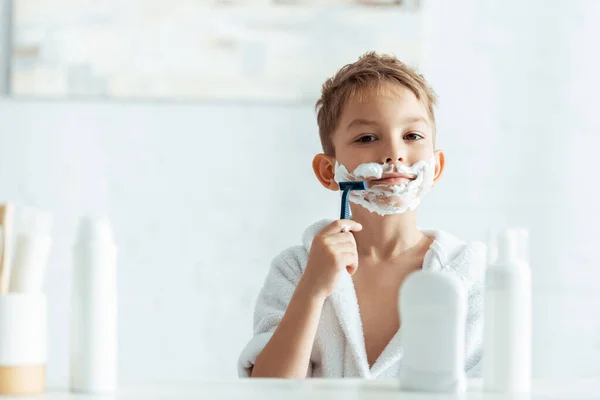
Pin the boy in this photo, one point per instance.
(376, 124)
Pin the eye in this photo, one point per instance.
(366, 139)
(413, 136)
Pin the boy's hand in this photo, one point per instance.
(333, 252)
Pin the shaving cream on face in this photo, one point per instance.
(389, 199)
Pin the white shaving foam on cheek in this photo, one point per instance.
(389, 199)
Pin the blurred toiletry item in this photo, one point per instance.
(507, 315)
(433, 312)
(6, 218)
(93, 363)
(23, 352)
(32, 247)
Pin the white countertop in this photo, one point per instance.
(328, 389)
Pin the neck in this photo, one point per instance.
(386, 237)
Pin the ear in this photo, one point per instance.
(440, 162)
(324, 168)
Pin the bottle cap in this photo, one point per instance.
(94, 230)
(509, 247)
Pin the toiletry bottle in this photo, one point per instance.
(93, 358)
(6, 218)
(507, 316)
(433, 312)
(32, 248)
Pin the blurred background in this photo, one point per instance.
(191, 125)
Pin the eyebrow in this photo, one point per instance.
(360, 121)
(407, 121)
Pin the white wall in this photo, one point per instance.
(518, 86)
(5, 13)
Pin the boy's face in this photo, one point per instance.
(384, 126)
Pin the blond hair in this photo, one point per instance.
(371, 69)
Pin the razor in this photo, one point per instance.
(346, 187)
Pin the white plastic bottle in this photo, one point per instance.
(32, 248)
(93, 358)
(433, 310)
(507, 316)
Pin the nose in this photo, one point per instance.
(396, 152)
(390, 160)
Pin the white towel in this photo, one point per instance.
(339, 347)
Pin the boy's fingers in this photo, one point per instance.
(351, 262)
(342, 225)
(341, 238)
(345, 247)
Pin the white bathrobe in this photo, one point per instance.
(339, 346)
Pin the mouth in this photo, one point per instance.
(393, 179)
